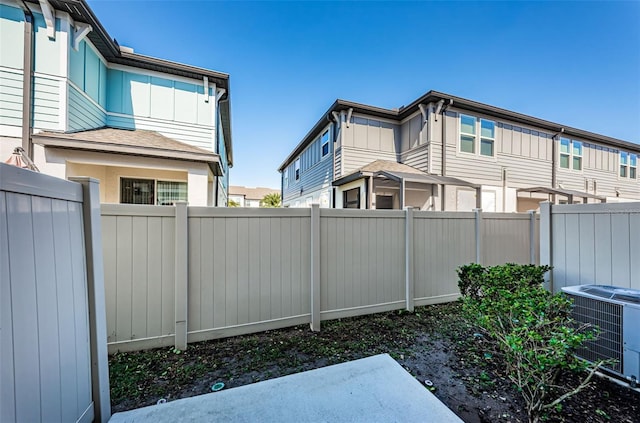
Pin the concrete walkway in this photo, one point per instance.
(374, 389)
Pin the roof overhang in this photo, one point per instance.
(424, 178)
(211, 159)
(562, 192)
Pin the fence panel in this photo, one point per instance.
(249, 270)
(505, 238)
(361, 261)
(139, 251)
(594, 244)
(442, 242)
(45, 358)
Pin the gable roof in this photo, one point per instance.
(435, 96)
(399, 171)
(138, 142)
(109, 48)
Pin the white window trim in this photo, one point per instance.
(571, 155)
(296, 169)
(155, 185)
(327, 143)
(477, 140)
(285, 176)
(628, 166)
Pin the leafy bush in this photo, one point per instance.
(531, 327)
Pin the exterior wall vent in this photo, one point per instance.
(616, 311)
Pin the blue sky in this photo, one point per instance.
(575, 63)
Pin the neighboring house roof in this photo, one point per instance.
(80, 11)
(137, 142)
(563, 192)
(399, 172)
(252, 193)
(459, 102)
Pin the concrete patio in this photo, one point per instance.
(370, 389)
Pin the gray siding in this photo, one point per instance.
(354, 158)
(367, 140)
(417, 157)
(412, 134)
(83, 113)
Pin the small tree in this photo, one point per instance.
(233, 203)
(532, 329)
(271, 200)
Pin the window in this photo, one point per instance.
(487, 137)
(628, 165)
(570, 154)
(137, 191)
(468, 135)
(351, 199)
(150, 191)
(577, 155)
(286, 177)
(297, 169)
(171, 192)
(324, 140)
(564, 153)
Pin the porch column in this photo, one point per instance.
(402, 193)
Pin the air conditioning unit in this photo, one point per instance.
(616, 312)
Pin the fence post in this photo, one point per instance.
(181, 275)
(96, 297)
(315, 267)
(532, 236)
(546, 240)
(408, 263)
(479, 235)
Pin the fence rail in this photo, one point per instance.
(240, 271)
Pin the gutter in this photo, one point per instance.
(27, 82)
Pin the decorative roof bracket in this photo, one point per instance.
(49, 18)
(81, 30)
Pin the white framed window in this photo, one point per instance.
(296, 169)
(469, 129)
(487, 137)
(324, 142)
(285, 175)
(576, 152)
(565, 152)
(628, 165)
(570, 154)
(467, 134)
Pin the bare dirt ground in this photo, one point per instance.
(434, 344)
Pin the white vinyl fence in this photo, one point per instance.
(184, 274)
(53, 355)
(591, 244)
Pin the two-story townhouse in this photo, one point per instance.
(443, 152)
(152, 131)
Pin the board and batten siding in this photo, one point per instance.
(247, 268)
(44, 341)
(139, 251)
(361, 262)
(594, 244)
(367, 140)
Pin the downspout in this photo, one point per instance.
(443, 110)
(27, 82)
(554, 173)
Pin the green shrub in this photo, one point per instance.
(531, 327)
